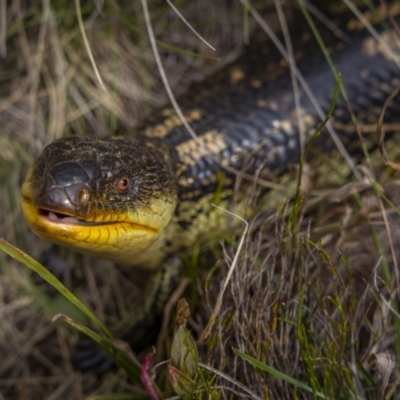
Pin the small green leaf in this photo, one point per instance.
(181, 382)
(184, 362)
(184, 354)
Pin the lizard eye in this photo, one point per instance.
(123, 184)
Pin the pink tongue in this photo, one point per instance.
(65, 220)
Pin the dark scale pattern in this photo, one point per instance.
(257, 113)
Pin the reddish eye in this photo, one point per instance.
(123, 184)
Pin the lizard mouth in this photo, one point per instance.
(57, 217)
(115, 239)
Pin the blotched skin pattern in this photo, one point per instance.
(141, 199)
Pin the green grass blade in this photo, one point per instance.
(278, 374)
(120, 357)
(32, 264)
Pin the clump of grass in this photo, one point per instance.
(315, 318)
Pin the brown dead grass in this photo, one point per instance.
(48, 88)
(333, 282)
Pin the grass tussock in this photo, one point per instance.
(311, 310)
